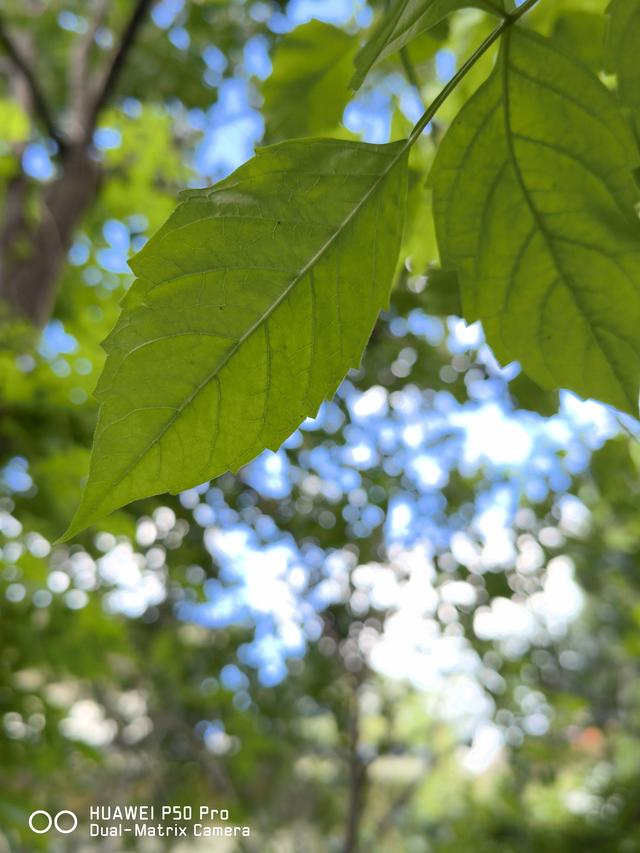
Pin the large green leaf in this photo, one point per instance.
(534, 205)
(309, 88)
(623, 44)
(405, 20)
(251, 303)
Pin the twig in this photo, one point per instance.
(117, 63)
(39, 105)
(79, 65)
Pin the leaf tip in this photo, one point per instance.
(74, 527)
(64, 537)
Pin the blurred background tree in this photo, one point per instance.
(415, 627)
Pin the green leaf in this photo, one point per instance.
(309, 87)
(534, 206)
(526, 394)
(406, 20)
(251, 303)
(442, 294)
(582, 34)
(623, 45)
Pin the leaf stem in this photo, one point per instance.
(442, 96)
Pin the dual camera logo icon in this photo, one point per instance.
(41, 822)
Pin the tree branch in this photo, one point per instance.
(118, 59)
(39, 105)
(79, 66)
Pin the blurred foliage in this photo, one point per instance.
(307, 91)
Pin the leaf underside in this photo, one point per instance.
(406, 20)
(251, 304)
(534, 204)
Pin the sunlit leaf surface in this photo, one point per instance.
(251, 304)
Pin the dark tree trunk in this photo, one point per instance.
(32, 253)
(357, 781)
(37, 226)
(357, 778)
